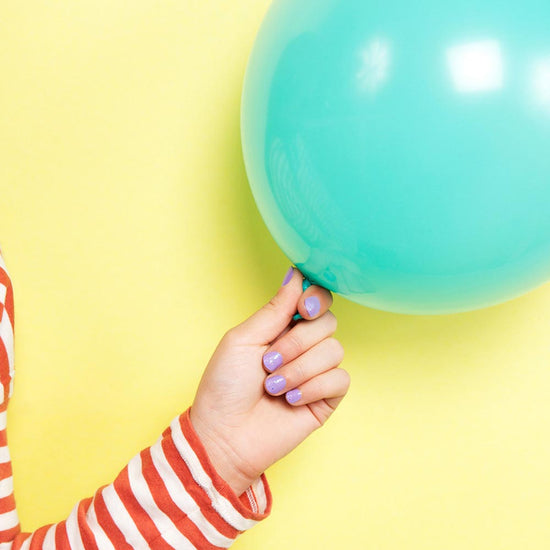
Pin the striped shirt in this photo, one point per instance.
(169, 496)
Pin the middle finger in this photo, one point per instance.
(300, 338)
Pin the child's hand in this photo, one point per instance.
(247, 420)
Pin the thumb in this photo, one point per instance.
(268, 322)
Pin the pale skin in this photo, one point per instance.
(245, 428)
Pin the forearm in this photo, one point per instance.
(168, 496)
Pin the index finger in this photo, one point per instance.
(314, 302)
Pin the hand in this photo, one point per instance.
(248, 421)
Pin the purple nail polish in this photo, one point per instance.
(293, 396)
(275, 384)
(288, 276)
(313, 305)
(272, 360)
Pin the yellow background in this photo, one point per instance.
(134, 243)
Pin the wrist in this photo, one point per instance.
(225, 461)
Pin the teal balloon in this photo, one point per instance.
(399, 152)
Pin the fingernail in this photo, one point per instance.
(275, 384)
(272, 360)
(293, 396)
(313, 305)
(288, 275)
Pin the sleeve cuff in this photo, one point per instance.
(242, 512)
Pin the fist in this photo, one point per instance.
(270, 383)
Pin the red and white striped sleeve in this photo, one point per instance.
(169, 496)
(9, 522)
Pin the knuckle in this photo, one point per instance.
(232, 336)
(294, 343)
(332, 322)
(298, 371)
(336, 349)
(273, 304)
(346, 379)
(318, 387)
